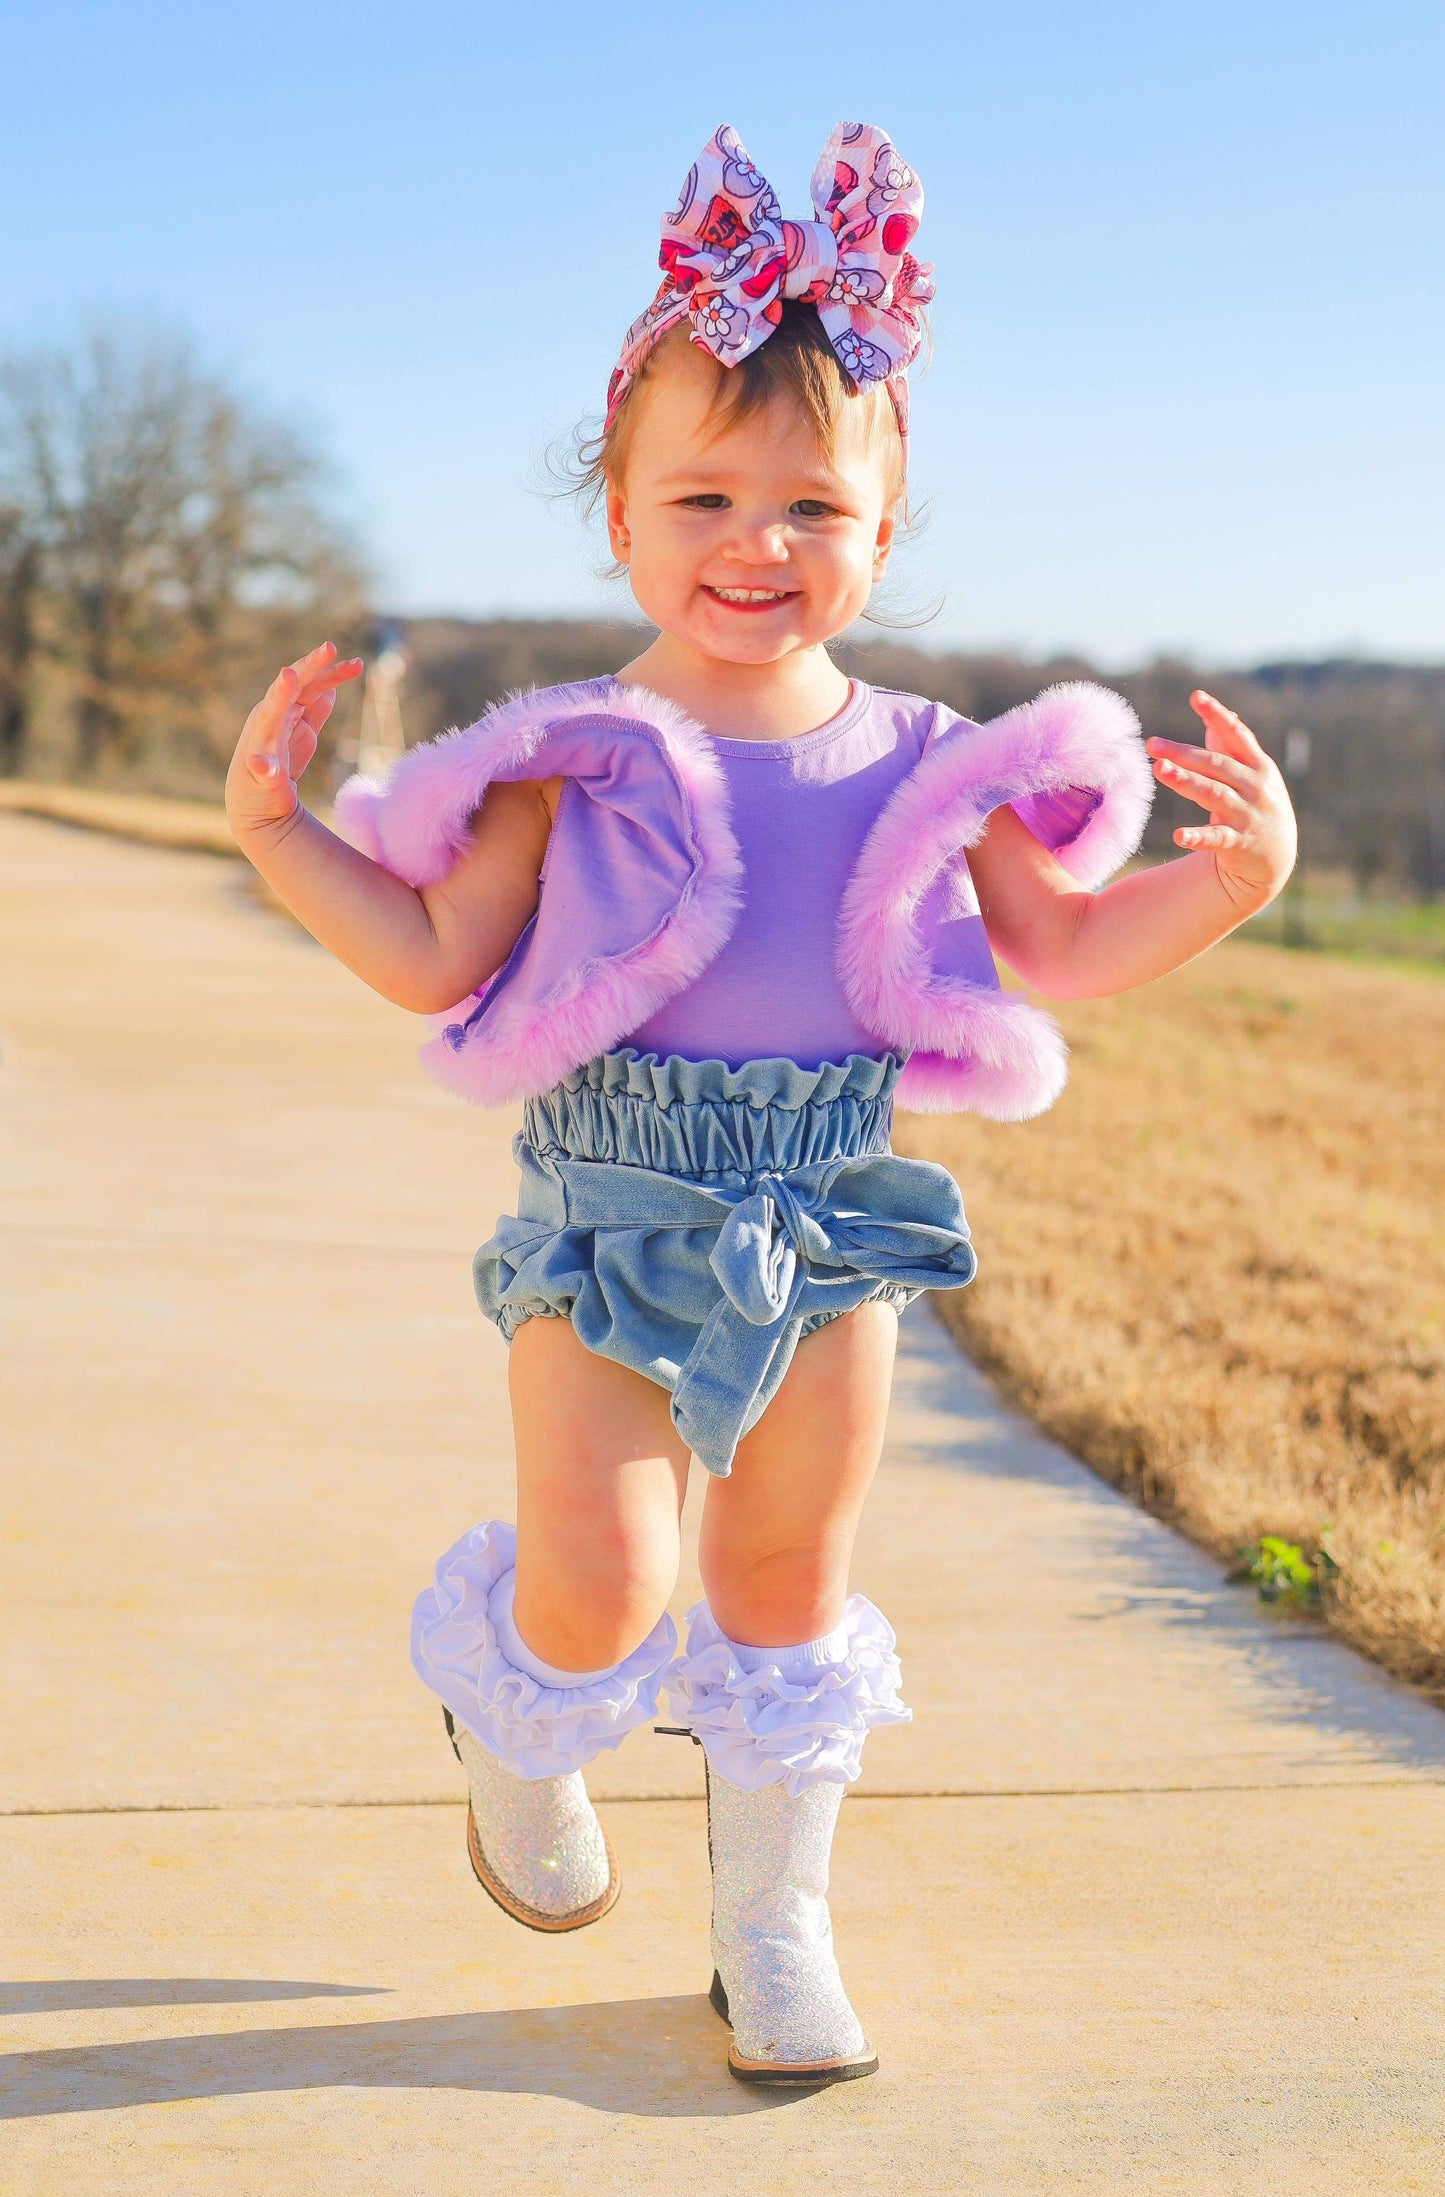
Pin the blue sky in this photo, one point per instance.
(1187, 390)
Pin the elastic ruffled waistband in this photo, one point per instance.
(701, 1118)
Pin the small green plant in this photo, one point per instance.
(1281, 1572)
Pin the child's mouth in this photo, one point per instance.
(750, 599)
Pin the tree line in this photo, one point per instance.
(1371, 793)
(165, 543)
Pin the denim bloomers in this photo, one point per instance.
(694, 1221)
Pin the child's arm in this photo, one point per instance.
(1070, 944)
(424, 950)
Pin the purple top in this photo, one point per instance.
(801, 810)
(645, 882)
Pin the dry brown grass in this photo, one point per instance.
(1217, 1269)
(154, 818)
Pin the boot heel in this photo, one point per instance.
(773, 2075)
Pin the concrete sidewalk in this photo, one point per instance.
(1147, 1898)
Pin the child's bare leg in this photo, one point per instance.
(784, 1701)
(777, 1536)
(601, 1475)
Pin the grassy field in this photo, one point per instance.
(1217, 1270)
(1335, 919)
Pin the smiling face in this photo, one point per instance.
(743, 537)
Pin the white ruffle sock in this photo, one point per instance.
(782, 1730)
(523, 1731)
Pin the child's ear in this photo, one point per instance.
(619, 533)
(882, 547)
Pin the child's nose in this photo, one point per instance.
(762, 543)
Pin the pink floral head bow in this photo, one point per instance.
(729, 259)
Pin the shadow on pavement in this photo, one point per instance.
(656, 2057)
(84, 1994)
(1297, 1673)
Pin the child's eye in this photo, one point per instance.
(710, 502)
(808, 507)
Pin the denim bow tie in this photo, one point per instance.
(818, 1238)
(759, 1247)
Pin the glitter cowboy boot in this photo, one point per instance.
(523, 1732)
(534, 1843)
(775, 1975)
(782, 1730)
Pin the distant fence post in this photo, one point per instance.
(1295, 930)
(378, 739)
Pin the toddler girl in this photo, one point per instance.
(707, 920)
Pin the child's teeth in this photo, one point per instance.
(749, 594)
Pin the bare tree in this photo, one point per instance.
(19, 591)
(178, 535)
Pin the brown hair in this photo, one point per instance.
(797, 364)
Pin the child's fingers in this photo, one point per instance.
(1223, 728)
(1207, 836)
(293, 687)
(303, 748)
(279, 737)
(319, 668)
(315, 701)
(314, 659)
(324, 676)
(1207, 762)
(320, 694)
(1210, 793)
(268, 759)
(272, 727)
(261, 731)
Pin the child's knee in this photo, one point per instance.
(778, 1596)
(592, 1638)
(591, 1620)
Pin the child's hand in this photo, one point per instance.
(1251, 828)
(279, 738)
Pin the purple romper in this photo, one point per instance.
(741, 951)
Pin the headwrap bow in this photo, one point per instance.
(729, 259)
